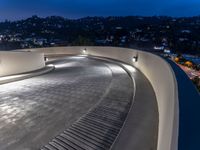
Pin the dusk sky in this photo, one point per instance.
(18, 9)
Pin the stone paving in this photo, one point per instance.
(34, 110)
(98, 129)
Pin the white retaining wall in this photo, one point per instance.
(20, 62)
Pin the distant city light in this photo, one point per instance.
(167, 51)
(158, 48)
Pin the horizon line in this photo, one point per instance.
(77, 18)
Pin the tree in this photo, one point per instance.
(82, 41)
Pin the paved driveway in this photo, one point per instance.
(35, 110)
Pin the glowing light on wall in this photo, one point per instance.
(84, 51)
(135, 58)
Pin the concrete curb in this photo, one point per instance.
(13, 78)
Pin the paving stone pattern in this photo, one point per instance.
(98, 129)
(83, 101)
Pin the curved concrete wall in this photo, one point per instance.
(159, 73)
(20, 62)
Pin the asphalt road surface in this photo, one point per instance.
(34, 111)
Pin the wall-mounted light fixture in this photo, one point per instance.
(135, 58)
(84, 51)
(46, 59)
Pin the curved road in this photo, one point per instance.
(34, 111)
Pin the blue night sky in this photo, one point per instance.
(18, 9)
